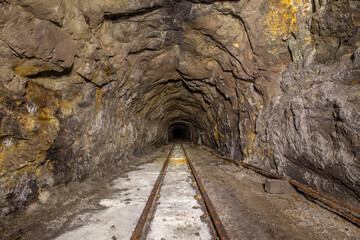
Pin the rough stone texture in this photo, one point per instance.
(86, 84)
(46, 46)
(311, 131)
(278, 187)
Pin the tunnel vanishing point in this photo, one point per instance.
(87, 85)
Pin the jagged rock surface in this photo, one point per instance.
(85, 84)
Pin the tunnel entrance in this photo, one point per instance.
(179, 132)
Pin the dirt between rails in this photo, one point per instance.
(248, 212)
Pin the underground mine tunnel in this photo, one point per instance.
(179, 131)
(88, 87)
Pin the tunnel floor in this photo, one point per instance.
(110, 209)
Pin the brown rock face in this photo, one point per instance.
(86, 84)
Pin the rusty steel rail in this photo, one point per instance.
(329, 202)
(219, 227)
(139, 229)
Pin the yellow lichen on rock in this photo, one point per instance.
(46, 115)
(28, 122)
(99, 91)
(66, 107)
(30, 69)
(218, 136)
(281, 17)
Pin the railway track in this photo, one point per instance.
(344, 210)
(166, 199)
(178, 205)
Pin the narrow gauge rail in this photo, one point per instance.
(144, 220)
(350, 213)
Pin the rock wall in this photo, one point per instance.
(86, 84)
(311, 131)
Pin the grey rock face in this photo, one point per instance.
(312, 130)
(52, 10)
(275, 186)
(47, 46)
